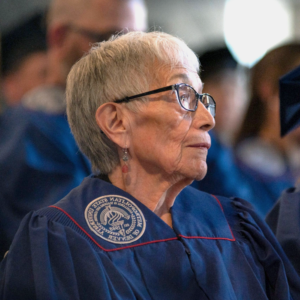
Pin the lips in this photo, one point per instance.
(200, 145)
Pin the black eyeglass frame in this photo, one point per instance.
(175, 88)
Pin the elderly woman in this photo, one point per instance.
(134, 230)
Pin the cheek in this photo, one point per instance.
(161, 138)
(166, 124)
(172, 146)
(172, 129)
(193, 161)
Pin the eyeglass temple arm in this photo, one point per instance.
(127, 99)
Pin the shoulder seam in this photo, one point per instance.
(233, 237)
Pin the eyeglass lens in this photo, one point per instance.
(188, 99)
(208, 102)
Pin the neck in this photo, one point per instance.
(155, 191)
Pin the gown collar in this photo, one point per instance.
(115, 220)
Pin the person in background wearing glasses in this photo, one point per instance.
(135, 229)
(39, 159)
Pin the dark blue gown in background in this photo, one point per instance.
(228, 176)
(40, 163)
(284, 220)
(218, 249)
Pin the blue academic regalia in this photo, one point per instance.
(266, 188)
(101, 243)
(284, 220)
(40, 163)
(228, 176)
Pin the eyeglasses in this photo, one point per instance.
(93, 35)
(186, 96)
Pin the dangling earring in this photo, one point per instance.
(125, 159)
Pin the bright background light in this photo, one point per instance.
(252, 27)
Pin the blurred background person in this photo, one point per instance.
(284, 217)
(271, 161)
(262, 164)
(23, 59)
(39, 159)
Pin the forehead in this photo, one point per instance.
(107, 15)
(181, 74)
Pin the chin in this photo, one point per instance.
(199, 171)
(192, 170)
(198, 174)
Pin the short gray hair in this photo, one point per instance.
(123, 66)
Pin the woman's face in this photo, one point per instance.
(166, 140)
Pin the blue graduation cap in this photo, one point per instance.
(289, 90)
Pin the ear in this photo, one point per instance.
(111, 120)
(57, 35)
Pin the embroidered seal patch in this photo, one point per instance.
(115, 219)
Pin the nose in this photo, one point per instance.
(203, 118)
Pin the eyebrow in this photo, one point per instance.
(181, 76)
(185, 78)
